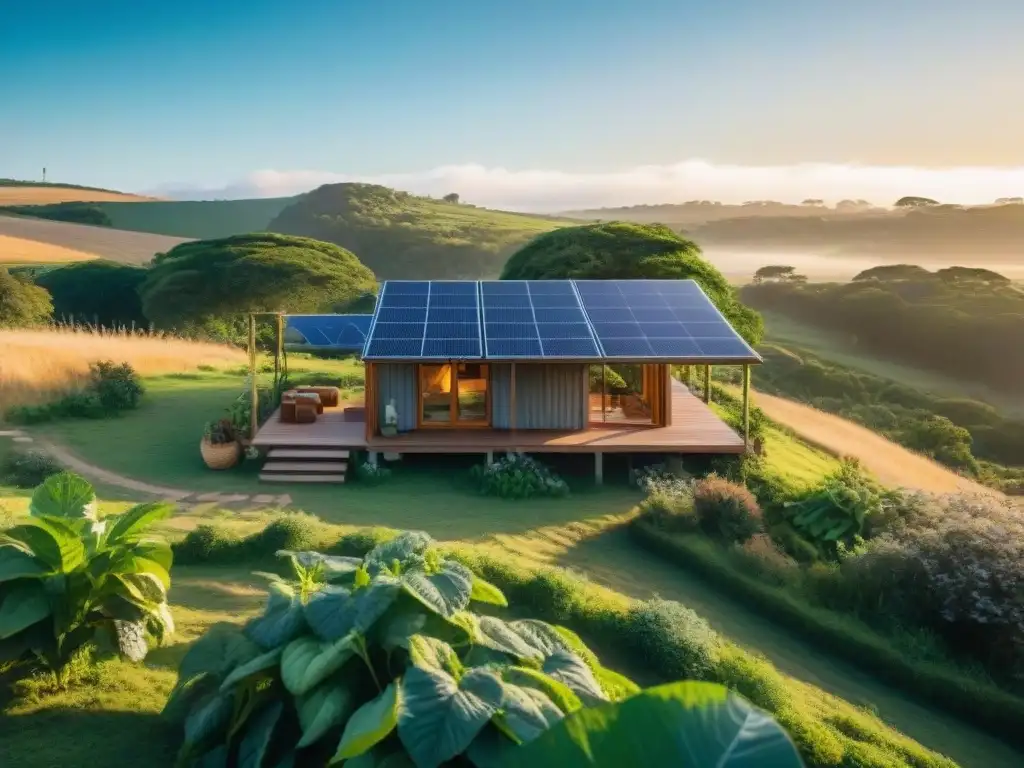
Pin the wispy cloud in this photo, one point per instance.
(548, 190)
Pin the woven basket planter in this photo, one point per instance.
(220, 455)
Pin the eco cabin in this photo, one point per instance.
(585, 366)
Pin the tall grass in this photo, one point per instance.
(38, 366)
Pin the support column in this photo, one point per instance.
(599, 468)
(490, 457)
(707, 383)
(746, 406)
(512, 398)
(254, 395)
(371, 458)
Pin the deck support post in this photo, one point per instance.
(598, 468)
(746, 407)
(254, 395)
(512, 398)
(707, 383)
(371, 458)
(490, 458)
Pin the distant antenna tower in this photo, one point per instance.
(44, 174)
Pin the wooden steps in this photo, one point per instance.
(305, 465)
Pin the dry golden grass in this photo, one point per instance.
(14, 250)
(38, 366)
(47, 195)
(52, 241)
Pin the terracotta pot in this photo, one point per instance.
(219, 455)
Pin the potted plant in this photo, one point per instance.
(219, 445)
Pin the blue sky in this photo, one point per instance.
(183, 95)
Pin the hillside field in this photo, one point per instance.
(25, 240)
(22, 193)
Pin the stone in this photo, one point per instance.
(22, 439)
(263, 498)
(208, 497)
(284, 500)
(233, 498)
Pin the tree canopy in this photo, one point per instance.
(912, 201)
(893, 272)
(210, 280)
(620, 250)
(21, 302)
(779, 272)
(99, 291)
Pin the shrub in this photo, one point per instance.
(726, 511)
(118, 387)
(835, 512)
(669, 503)
(675, 639)
(291, 530)
(754, 677)
(207, 543)
(27, 469)
(760, 556)
(80, 579)
(518, 476)
(220, 432)
(342, 643)
(372, 474)
(793, 544)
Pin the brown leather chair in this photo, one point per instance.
(292, 399)
(329, 396)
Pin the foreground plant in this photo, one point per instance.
(68, 579)
(376, 657)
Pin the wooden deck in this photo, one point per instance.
(694, 429)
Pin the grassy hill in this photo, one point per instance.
(399, 235)
(702, 211)
(199, 219)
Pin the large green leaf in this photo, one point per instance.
(496, 634)
(544, 637)
(51, 541)
(333, 566)
(369, 725)
(381, 757)
(208, 721)
(22, 604)
(401, 624)
(261, 664)
(439, 717)
(617, 686)
(136, 520)
(282, 619)
(400, 548)
(16, 563)
(258, 733)
(223, 647)
(526, 713)
(568, 668)
(443, 592)
(157, 550)
(559, 693)
(64, 495)
(308, 661)
(430, 653)
(334, 611)
(485, 592)
(322, 709)
(679, 724)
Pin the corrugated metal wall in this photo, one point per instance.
(397, 381)
(548, 396)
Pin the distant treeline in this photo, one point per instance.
(965, 323)
(75, 213)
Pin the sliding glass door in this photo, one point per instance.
(454, 395)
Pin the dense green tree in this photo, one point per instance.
(100, 291)
(912, 201)
(451, 197)
(619, 250)
(893, 272)
(779, 272)
(211, 282)
(972, 275)
(22, 303)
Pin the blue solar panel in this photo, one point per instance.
(402, 315)
(536, 318)
(408, 287)
(403, 300)
(329, 331)
(402, 348)
(659, 318)
(418, 319)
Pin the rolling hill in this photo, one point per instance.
(399, 235)
(15, 192)
(25, 240)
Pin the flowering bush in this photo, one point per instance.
(669, 503)
(518, 476)
(726, 510)
(957, 562)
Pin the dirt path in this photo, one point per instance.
(603, 551)
(892, 464)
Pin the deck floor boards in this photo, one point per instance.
(694, 429)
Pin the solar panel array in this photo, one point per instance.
(636, 319)
(427, 319)
(535, 318)
(551, 319)
(331, 331)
